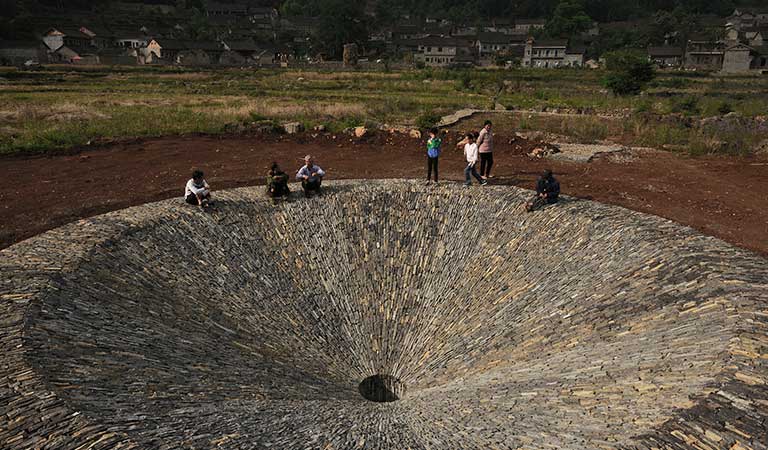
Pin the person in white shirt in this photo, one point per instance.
(197, 191)
(470, 152)
(311, 176)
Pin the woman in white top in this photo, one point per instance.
(470, 152)
(197, 191)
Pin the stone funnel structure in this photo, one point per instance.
(383, 315)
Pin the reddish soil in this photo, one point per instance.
(722, 197)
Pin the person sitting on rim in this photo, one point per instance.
(547, 192)
(197, 192)
(277, 182)
(311, 176)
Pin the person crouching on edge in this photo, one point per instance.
(311, 177)
(547, 192)
(197, 191)
(470, 152)
(277, 183)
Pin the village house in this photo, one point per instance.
(492, 45)
(574, 56)
(213, 8)
(666, 57)
(304, 26)
(703, 53)
(760, 59)
(264, 24)
(502, 25)
(440, 51)
(524, 26)
(753, 36)
(16, 53)
(756, 36)
(551, 54)
(439, 18)
(407, 31)
(263, 12)
(118, 57)
(737, 59)
(53, 39)
(181, 52)
(131, 39)
(245, 47)
(63, 55)
(78, 38)
(465, 30)
(741, 58)
(101, 37)
(435, 29)
(747, 18)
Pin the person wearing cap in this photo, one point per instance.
(547, 192)
(311, 176)
(197, 191)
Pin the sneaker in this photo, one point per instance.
(483, 183)
(427, 183)
(467, 185)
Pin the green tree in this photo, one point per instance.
(341, 22)
(199, 28)
(629, 71)
(568, 19)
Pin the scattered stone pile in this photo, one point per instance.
(390, 316)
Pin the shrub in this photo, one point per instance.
(644, 107)
(688, 105)
(724, 108)
(629, 72)
(427, 119)
(465, 81)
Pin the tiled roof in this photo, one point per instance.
(665, 51)
(497, 38)
(550, 43)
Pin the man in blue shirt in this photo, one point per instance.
(311, 176)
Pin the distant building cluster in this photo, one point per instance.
(245, 36)
(242, 35)
(738, 46)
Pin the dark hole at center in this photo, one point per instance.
(381, 388)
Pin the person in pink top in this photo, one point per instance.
(485, 149)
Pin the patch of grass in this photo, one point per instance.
(62, 106)
(688, 105)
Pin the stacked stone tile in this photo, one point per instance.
(252, 326)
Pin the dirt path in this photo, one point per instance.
(723, 197)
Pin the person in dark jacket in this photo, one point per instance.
(277, 182)
(547, 192)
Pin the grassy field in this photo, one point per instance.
(62, 107)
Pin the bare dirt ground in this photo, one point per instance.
(725, 197)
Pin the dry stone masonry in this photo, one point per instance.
(382, 315)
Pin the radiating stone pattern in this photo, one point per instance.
(251, 326)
